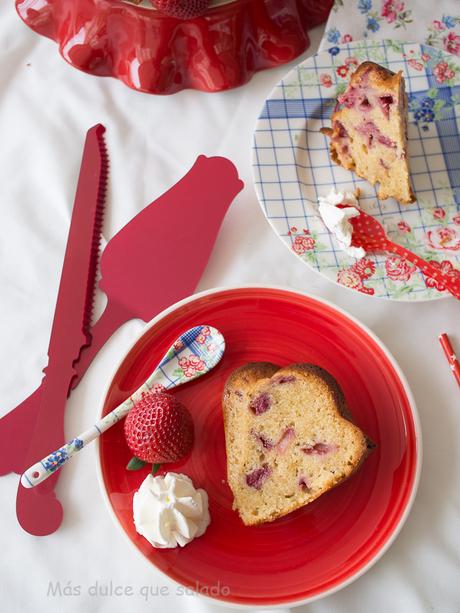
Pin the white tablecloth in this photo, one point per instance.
(45, 109)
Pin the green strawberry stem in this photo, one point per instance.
(135, 464)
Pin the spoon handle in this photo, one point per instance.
(40, 471)
(449, 281)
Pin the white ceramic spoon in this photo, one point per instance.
(192, 355)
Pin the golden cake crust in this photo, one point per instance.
(379, 76)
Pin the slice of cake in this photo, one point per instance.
(369, 131)
(288, 438)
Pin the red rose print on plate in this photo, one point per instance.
(325, 80)
(399, 269)
(444, 239)
(350, 278)
(414, 64)
(442, 72)
(303, 243)
(404, 227)
(364, 267)
(354, 276)
(439, 213)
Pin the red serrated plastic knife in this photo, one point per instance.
(38, 511)
(136, 262)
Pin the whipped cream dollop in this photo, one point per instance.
(337, 220)
(169, 511)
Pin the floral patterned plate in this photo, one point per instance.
(292, 167)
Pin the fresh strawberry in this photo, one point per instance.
(181, 9)
(159, 429)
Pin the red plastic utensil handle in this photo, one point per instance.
(450, 355)
(451, 281)
(69, 331)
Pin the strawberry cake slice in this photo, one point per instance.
(369, 131)
(288, 438)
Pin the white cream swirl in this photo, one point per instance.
(169, 511)
(337, 220)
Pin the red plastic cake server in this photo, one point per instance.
(369, 234)
(155, 260)
(39, 511)
(159, 256)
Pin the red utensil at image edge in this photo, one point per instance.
(326, 544)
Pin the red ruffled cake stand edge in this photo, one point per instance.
(157, 54)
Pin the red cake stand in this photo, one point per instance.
(154, 53)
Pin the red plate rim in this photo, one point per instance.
(416, 422)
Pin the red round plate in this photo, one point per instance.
(325, 545)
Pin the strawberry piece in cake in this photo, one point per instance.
(369, 131)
